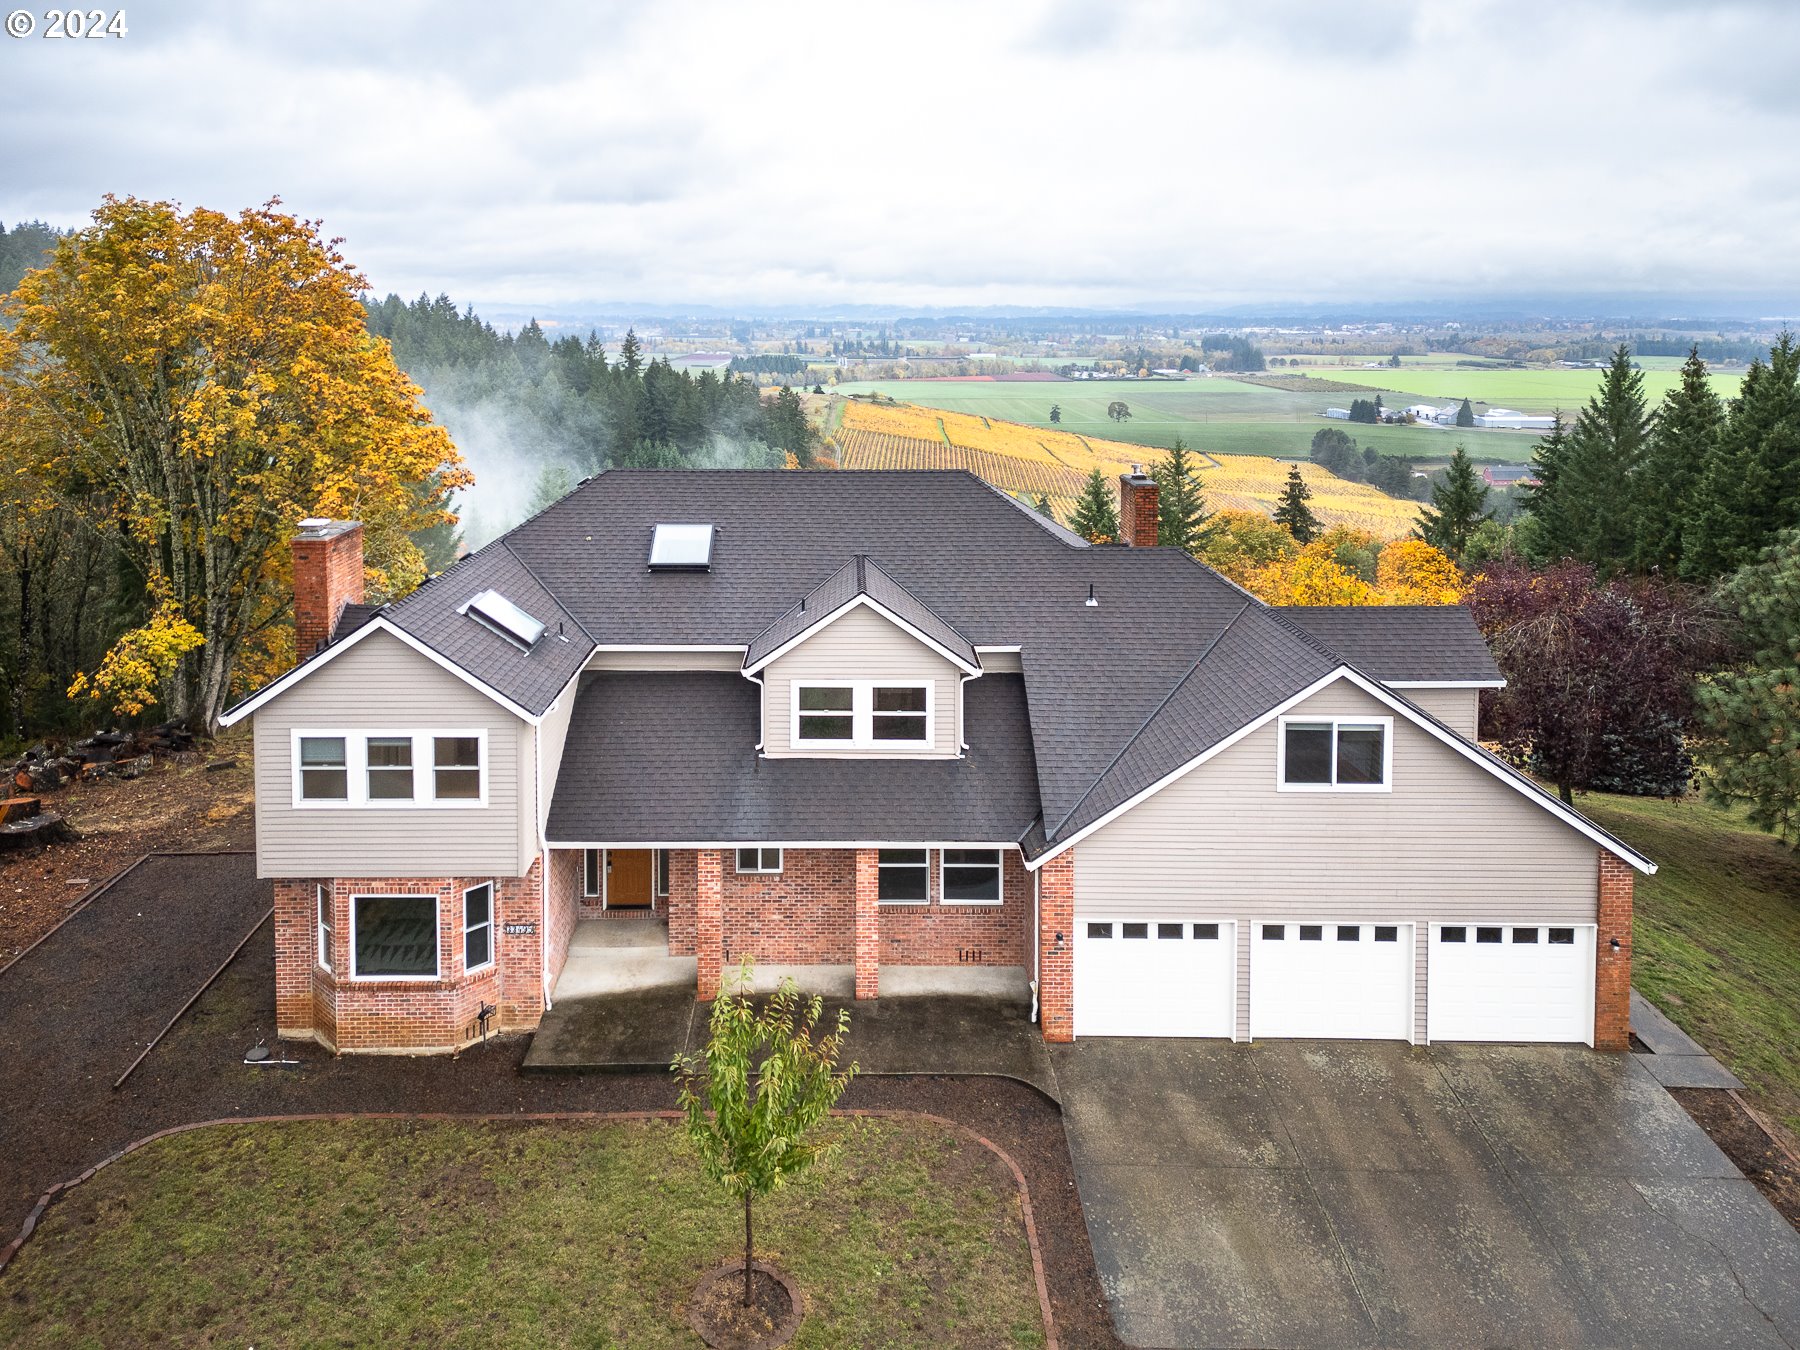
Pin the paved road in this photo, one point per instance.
(1311, 1193)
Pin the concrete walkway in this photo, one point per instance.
(1321, 1193)
(955, 1034)
(1675, 1059)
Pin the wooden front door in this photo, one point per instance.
(627, 878)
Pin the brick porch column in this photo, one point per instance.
(1056, 947)
(868, 923)
(709, 920)
(1612, 969)
(296, 953)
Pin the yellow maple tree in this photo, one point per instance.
(193, 384)
(1311, 577)
(1412, 572)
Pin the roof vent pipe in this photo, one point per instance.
(1092, 602)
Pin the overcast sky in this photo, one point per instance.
(967, 153)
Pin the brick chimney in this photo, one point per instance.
(328, 574)
(1137, 508)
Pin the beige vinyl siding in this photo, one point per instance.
(551, 734)
(668, 658)
(859, 646)
(1455, 708)
(1000, 663)
(1450, 843)
(379, 685)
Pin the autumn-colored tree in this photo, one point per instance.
(1412, 572)
(192, 384)
(1311, 577)
(1240, 543)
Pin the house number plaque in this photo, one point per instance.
(518, 929)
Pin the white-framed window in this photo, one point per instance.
(969, 876)
(863, 714)
(1335, 754)
(394, 937)
(322, 903)
(659, 861)
(456, 763)
(385, 769)
(758, 860)
(590, 873)
(322, 771)
(478, 927)
(903, 876)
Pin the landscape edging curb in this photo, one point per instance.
(44, 1202)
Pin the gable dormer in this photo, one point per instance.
(861, 668)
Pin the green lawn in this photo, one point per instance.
(1717, 937)
(1218, 415)
(433, 1233)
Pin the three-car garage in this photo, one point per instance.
(1180, 975)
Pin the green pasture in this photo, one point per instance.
(1539, 391)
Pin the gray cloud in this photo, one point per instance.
(945, 153)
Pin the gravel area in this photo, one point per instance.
(198, 1073)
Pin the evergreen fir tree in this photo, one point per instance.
(1465, 415)
(1682, 445)
(1180, 502)
(1294, 515)
(1749, 490)
(1544, 501)
(1096, 514)
(631, 356)
(1584, 500)
(1457, 508)
(1043, 506)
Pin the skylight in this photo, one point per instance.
(493, 610)
(681, 548)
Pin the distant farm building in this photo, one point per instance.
(1341, 414)
(1513, 421)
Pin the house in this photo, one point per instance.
(1509, 475)
(894, 724)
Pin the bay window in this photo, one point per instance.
(394, 937)
(478, 926)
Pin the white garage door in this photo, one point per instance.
(1511, 982)
(1351, 981)
(1153, 977)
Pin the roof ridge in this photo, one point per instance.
(1144, 725)
(531, 572)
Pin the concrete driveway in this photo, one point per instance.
(1317, 1193)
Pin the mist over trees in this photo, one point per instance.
(22, 248)
(531, 413)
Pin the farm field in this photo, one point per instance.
(1030, 460)
(1218, 415)
(1538, 391)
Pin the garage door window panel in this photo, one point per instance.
(1335, 754)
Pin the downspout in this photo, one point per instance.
(762, 707)
(1037, 936)
(537, 763)
(961, 686)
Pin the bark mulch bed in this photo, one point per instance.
(1751, 1150)
(198, 1073)
(203, 803)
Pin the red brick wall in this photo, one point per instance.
(936, 934)
(328, 574)
(1612, 969)
(1056, 970)
(565, 908)
(799, 916)
(1137, 509)
(347, 1014)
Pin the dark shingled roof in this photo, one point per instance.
(693, 735)
(532, 679)
(860, 576)
(1170, 660)
(351, 618)
(1401, 642)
